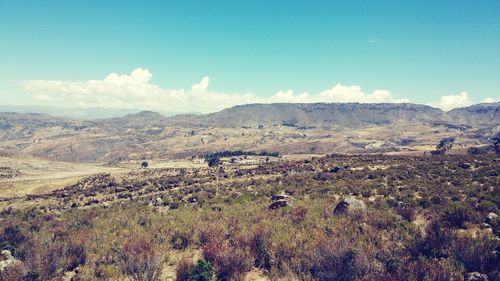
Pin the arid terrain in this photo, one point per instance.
(284, 128)
(295, 192)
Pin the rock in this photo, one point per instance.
(485, 226)
(158, 201)
(350, 205)
(476, 276)
(280, 197)
(120, 189)
(491, 217)
(280, 201)
(217, 208)
(106, 205)
(340, 168)
(465, 165)
(279, 204)
(8, 260)
(363, 227)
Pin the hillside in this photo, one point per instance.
(286, 128)
(352, 115)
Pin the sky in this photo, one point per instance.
(203, 56)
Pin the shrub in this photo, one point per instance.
(476, 254)
(76, 255)
(230, 260)
(140, 260)
(179, 240)
(298, 214)
(202, 271)
(182, 270)
(14, 272)
(487, 206)
(407, 213)
(433, 269)
(436, 243)
(457, 214)
(260, 248)
(336, 260)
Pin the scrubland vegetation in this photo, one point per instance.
(427, 218)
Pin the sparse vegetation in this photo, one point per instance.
(421, 222)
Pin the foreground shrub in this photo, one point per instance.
(434, 269)
(260, 247)
(457, 214)
(182, 270)
(336, 260)
(229, 258)
(140, 260)
(179, 240)
(477, 254)
(201, 271)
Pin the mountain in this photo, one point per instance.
(137, 120)
(76, 113)
(285, 128)
(483, 114)
(353, 115)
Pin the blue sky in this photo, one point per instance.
(249, 51)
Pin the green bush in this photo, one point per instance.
(457, 214)
(202, 271)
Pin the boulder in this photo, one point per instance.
(465, 165)
(279, 204)
(476, 276)
(120, 189)
(350, 205)
(280, 197)
(491, 217)
(158, 201)
(280, 201)
(8, 260)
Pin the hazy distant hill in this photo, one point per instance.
(79, 113)
(286, 128)
(484, 114)
(316, 115)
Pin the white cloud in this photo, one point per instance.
(452, 101)
(490, 100)
(135, 90)
(202, 86)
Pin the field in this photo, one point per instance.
(406, 218)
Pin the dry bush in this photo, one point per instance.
(230, 260)
(141, 260)
(260, 247)
(434, 269)
(336, 260)
(477, 254)
(15, 272)
(182, 269)
(298, 214)
(408, 213)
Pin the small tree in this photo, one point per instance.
(144, 164)
(444, 145)
(495, 140)
(214, 161)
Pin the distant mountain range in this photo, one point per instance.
(351, 115)
(79, 113)
(287, 128)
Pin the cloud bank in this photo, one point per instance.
(135, 90)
